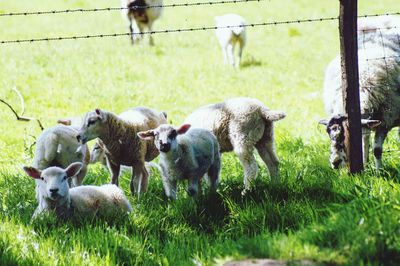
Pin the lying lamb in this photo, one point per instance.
(241, 124)
(379, 101)
(231, 31)
(55, 195)
(185, 154)
(123, 146)
(58, 146)
(143, 13)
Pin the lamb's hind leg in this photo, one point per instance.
(114, 170)
(266, 150)
(139, 180)
(366, 134)
(249, 163)
(380, 136)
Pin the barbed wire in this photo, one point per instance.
(180, 30)
(81, 10)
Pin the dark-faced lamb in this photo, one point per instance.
(240, 125)
(141, 14)
(54, 194)
(185, 154)
(58, 146)
(230, 31)
(123, 146)
(379, 69)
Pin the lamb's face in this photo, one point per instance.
(164, 136)
(98, 153)
(53, 181)
(335, 128)
(91, 126)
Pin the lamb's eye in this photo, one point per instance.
(172, 135)
(65, 178)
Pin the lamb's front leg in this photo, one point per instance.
(139, 180)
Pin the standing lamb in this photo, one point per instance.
(240, 124)
(54, 194)
(185, 154)
(123, 146)
(58, 146)
(231, 31)
(379, 101)
(143, 13)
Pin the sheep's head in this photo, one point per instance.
(91, 126)
(164, 136)
(337, 129)
(52, 182)
(98, 153)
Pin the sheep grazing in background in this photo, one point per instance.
(55, 195)
(379, 101)
(143, 13)
(58, 146)
(185, 154)
(123, 146)
(240, 125)
(231, 31)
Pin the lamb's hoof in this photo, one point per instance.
(245, 191)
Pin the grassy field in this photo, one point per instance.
(315, 213)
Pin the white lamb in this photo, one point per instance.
(240, 125)
(143, 13)
(58, 146)
(55, 195)
(185, 154)
(231, 31)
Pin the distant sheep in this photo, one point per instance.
(58, 146)
(141, 13)
(379, 100)
(185, 154)
(231, 31)
(55, 195)
(123, 146)
(240, 125)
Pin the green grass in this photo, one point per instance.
(315, 213)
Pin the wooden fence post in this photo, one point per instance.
(350, 81)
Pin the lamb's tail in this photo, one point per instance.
(272, 115)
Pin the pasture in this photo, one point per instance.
(315, 213)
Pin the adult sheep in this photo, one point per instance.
(240, 125)
(379, 69)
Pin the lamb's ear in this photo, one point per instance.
(275, 115)
(100, 114)
(146, 135)
(323, 122)
(32, 172)
(370, 123)
(73, 169)
(65, 121)
(183, 129)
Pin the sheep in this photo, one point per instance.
(58, 146)
(123, 147)
(143, 13)
(230, 30)
(185, 154)
(55, 195)
(240, 124)
(379, 101)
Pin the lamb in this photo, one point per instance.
(230, 30)
(379, 101)
(143, 13)
(240, 124)
(185, 154)
(55, 195)
(58, 146)
(123, 146)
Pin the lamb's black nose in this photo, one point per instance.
(337, 163)
(53, 190)
(78, 138)
(165, 147)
